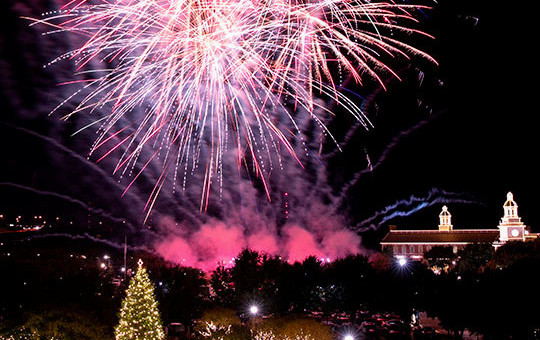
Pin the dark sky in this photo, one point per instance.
(480, 139)
(461, 133)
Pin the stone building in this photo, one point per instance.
(413, 243)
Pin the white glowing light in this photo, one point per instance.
(348, 337)
(254, 310)
(402, 262)
(515, 233)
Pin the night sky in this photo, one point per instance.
(461, 133)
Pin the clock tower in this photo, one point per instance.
(511, 228)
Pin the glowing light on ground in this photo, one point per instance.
(253, 310)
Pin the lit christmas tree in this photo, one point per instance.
(139, 316)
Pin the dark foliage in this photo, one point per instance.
(55, 284)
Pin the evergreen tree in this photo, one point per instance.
(139, 315)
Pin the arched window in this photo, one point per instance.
(420, 249)
(411, 249)
(404, 249)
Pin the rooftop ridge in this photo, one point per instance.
(454, 231)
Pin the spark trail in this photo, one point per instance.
(102, 174)
(86, 236)
(412, 205)
(384, 154)
(213, 76)
(70, 199)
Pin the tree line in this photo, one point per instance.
(489, 292)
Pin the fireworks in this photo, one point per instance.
(217, 75)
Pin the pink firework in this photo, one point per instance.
(223, 73)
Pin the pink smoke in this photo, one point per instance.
(301, 244)
(176, 250)
(217, 242)
(263, 242)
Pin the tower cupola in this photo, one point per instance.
(510, 207)
(445, 219)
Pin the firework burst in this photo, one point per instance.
(221, 73)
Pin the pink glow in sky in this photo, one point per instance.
(218, 243)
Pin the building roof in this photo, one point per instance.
(441, 236)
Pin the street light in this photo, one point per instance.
(402, 262)
(253, 310)
(348, 337)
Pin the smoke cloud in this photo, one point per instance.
(295, 213)
(217, 243)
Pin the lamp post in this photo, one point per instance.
(402, 262)
(253, 312)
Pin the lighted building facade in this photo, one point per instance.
(414, 243)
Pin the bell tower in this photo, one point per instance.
(511, 228)
(445, 220)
